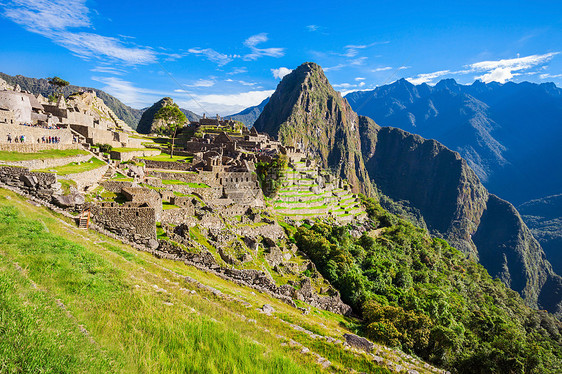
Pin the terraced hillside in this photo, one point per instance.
(77, 301)
(307, 191)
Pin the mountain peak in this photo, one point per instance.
(305, 111)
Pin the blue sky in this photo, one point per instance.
(220, 57)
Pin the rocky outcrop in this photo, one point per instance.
(306, 112)
(147, 124)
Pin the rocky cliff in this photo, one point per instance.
(306, 112)
(438, 182)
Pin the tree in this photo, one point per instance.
(58, 83)
(173, 119)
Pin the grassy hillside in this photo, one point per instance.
(77, 301)
(420, 294)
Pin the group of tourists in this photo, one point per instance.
(50, 127)
(50, 139)
(16, 139)
(44, 139)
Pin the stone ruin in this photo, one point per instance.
(81, 117)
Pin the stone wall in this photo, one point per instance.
(137, 224)
(33, 134)
(177, 216)
(48, 162)
(36, 147)
(166, 165)
(115, 186)
(87, 178)
(96, 135)
(18, 103)
(188, 177)
(41, 185)
(127, 156)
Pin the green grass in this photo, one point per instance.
(136, 309)
(173, 181)
(66, 184)
(125, 149)
(74, 167)
(166, 206)
(166, 157)
(41, 155)
(136, 329)
(190, 184)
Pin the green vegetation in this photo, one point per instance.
(166, 206)
(41, 155)
(76, 301)
(66, 184)
(104, 148)
(125, 149)
(173, 119)
(173, 181)
(166, 157)
(76, 167)
(190, 184)
(420, 294)
(266, 172)
(58, 84)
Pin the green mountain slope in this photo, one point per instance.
(418, 293)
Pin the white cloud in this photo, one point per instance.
(493, 71)
(244, 83)
(43, 16)
(312, 28)
(501, 75)
(281, 72)
(54, 18)
(226, 104)
(359, 79)
(428, 78)
(108, 70)
(201, 83)
(212, 55)
(256, 53)
(240, 70)
(128, 93)
(404, 67)
(550, 76)
(503, 70)
(382, 69)
(336, 67)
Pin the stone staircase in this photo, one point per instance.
(84, 219)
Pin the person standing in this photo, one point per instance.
(9, 138)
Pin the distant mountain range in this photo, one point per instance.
(249, 115)
(306, 111)
(510, 134)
